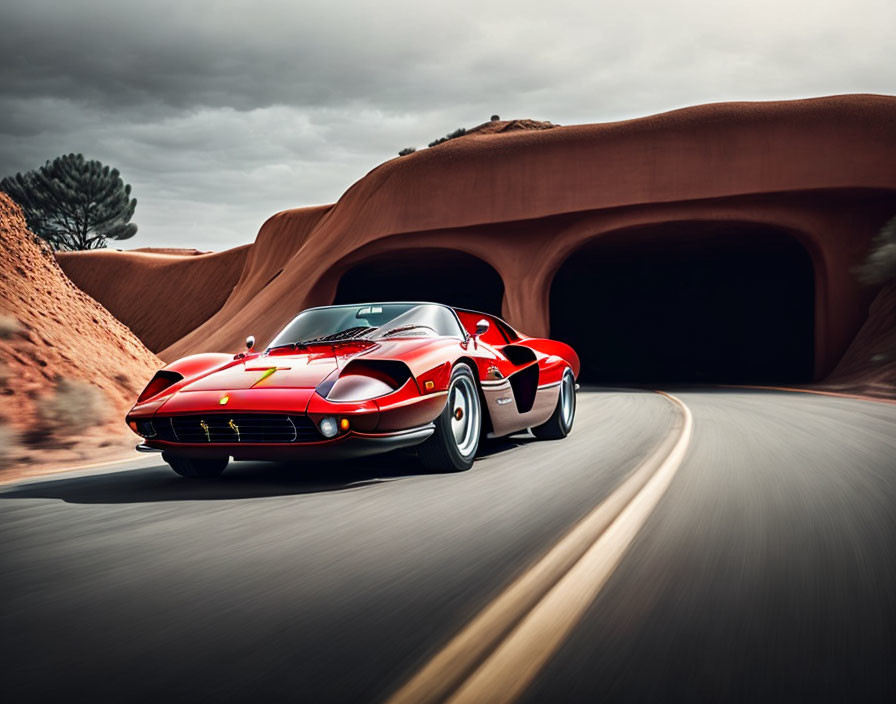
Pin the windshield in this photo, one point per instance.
(369, 321)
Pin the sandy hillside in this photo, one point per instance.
(68, 369)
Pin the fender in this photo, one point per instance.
(553, 348)
(431, 362)
(188, 369)
(196, 364)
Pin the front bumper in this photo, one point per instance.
(350, 445)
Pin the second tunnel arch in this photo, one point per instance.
(689, 301)
(438, 274)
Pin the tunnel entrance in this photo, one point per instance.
(439, 275)
(688, 302)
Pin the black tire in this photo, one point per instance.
(443, 452)
(560, 423)
(193, 468)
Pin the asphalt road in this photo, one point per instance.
(766, 571)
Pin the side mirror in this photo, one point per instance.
(250, 342)
(482, 327)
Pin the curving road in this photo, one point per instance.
(766, 571)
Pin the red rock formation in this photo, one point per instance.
(525, 198)
(524, 201)
(160, 296)
(279, 241)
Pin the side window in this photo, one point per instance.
(447, 325)
(509, 333)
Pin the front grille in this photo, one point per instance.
(230, 428)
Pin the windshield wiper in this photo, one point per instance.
(347, 335)
(287, 346)
(406, 328)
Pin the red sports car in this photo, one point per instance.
(352, 380)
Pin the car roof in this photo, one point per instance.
(380, 303)
(405, 303)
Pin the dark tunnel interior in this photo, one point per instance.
(438, 275)
(688, 302)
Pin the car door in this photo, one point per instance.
(513, 376)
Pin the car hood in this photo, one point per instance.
(276, 371)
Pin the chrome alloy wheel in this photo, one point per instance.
(567, 399)
(463, 401)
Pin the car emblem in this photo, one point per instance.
(267, 373)
(235, 428)
(224, 399)
(204, 426)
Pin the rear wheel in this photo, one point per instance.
(196, 468)
(560, 422)
(453, 445)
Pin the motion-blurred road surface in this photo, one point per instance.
(767, 571)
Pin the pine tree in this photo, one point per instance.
(74, 203)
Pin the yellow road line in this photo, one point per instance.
(497, 655)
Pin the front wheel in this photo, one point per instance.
(560, 423)
(453, 445)
(195, 468)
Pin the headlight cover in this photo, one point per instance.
(358, 387)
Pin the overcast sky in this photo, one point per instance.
(221, 113)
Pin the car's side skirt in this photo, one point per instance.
(503, 411)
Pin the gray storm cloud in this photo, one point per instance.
(219, 114)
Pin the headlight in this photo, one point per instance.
(328, 427)
(358, 387)
(144, 428)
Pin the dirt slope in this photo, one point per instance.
(160, 295)
(68, 368)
